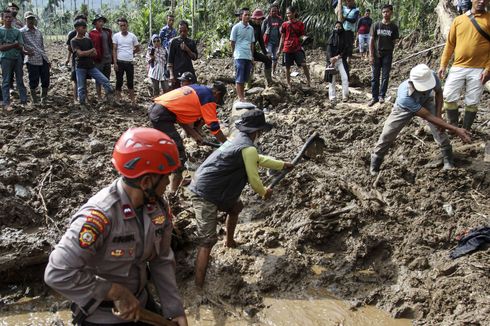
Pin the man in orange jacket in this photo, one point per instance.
(188, 106)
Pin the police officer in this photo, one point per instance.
(101, 261)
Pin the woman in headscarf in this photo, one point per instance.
(156, 56)
(336, 50)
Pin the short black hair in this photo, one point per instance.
(368, 10)
(184, 22)
(80, 16)
(243, 10)
(171, 15)
(122, 20)
(79, 23)
(387, 6)
(6, 11)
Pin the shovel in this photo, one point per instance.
(151, 318)
(313, 146)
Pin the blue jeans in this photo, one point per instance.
(8, 68)
(272, 49)
(95, 74)
(382, 63)
(37, 73)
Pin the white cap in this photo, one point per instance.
(422, 78)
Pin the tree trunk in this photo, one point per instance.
(445, 13)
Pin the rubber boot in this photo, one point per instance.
(34, 96)
(375, 164)
(453, 117)
(268, 77)
(469, 117)
(44, 95)
(448, 158)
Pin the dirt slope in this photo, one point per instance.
(330, 225)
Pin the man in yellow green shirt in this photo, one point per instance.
(219, 181)
(471, 66)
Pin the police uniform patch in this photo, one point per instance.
(117, 253)
(96, 222)
(159, 219)
(87, 236)
(127, 211)
(99, 214)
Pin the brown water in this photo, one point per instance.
(308, 310)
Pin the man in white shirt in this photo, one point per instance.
(125, 45)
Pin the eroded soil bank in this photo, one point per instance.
(330, 226)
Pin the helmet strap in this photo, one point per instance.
(150, 195)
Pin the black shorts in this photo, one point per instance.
(164, 120)
(291, 58)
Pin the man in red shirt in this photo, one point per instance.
(188, 106)
(290, 44)
(102, 39)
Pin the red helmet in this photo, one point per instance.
(145, 150)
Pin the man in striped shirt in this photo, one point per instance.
(37, 61)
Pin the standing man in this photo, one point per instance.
(291, 31)
(420, 95)
(242, 44)
(348, 14)
(125, 45)
(182, 52)
(471, 66)
(11, 50)
(14, 9)
(219, 182)
(363, 30)
(71, 57)
(84, 50)
(120, 235)
(272, 34)
(38, 64)
(265, 57)
(188, 106)
(168, 32)
(381, 47)
(102, 39)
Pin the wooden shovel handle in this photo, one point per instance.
(155, 319)
(300, 154)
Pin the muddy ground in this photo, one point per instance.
(330, 225)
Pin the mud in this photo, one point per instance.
(329, 226)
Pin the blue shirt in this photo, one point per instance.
(10, 36)
(409, 99)
(243, 36)
(166, 34)
(350, 15)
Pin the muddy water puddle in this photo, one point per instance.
(308, 310)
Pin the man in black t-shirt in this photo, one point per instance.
(182, 51)
(381, 46)
(84, 50)
(71, 58)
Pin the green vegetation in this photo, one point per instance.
(211, 20)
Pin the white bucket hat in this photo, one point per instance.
(422, 78)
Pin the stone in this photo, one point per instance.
(96, 146)
(21, 191)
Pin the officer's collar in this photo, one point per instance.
(127, 209)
